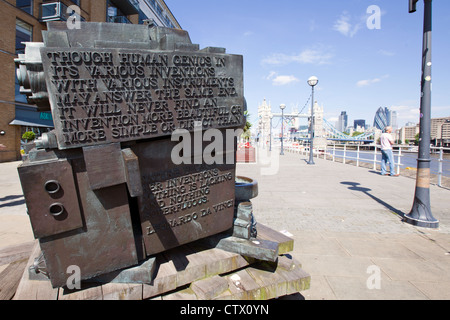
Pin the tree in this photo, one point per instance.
(248, 125)
(416, 140)
(29, 136)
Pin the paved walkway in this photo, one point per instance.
(347, 226)
(15, 227)
(346, 222)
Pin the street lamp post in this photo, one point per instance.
(420, 214)
(270, 141)
(313, 81)
(282, 107)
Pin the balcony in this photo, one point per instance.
(56, 11)
(127, 7)
(119, 19)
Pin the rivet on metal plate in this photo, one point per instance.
(56, 209)
(52, 186)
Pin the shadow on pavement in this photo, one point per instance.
(12, 203)
(355, 186)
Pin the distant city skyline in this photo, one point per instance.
(359, 123)
(360, 66)
(385, 117)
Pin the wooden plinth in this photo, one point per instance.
(194, 272)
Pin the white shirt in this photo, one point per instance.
(386, 141)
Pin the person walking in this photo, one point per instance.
(387, 156)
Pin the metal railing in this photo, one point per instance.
(440, 163)
(368, 154)
(373, 155)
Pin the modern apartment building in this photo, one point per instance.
(158, 12)
(408, 133)
(440, 131)
(24, 21)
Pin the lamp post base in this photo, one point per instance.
(421, 223)
(421, 216)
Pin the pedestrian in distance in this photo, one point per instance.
(387, 156)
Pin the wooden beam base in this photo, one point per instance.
(195, 271)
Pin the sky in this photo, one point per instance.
(366, 53)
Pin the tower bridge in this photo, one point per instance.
(323, 129)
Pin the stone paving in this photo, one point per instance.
(347, 226)
(346, 223)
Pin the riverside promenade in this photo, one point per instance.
(346, 222)
(347, 225)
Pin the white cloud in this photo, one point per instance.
(442, 110)
(343, 25)
(409, 112)
(284, 80)
(332, 119)
(368, 82)
(315, 55)
(281, 80)
(248, 33)
(406, 113)
(271, 75)
(312, 25)
(364, 83)
(386, 53)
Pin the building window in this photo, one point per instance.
(115, 15)
(24, 33)
(142, 17)
(76, 2)
(25, 5)
(159, 10)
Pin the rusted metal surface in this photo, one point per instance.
(104, 189)
(181, 203)
(51, 197)
(106, 241)
(104, 165)
(129, 95)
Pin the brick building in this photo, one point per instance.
(24, 21)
